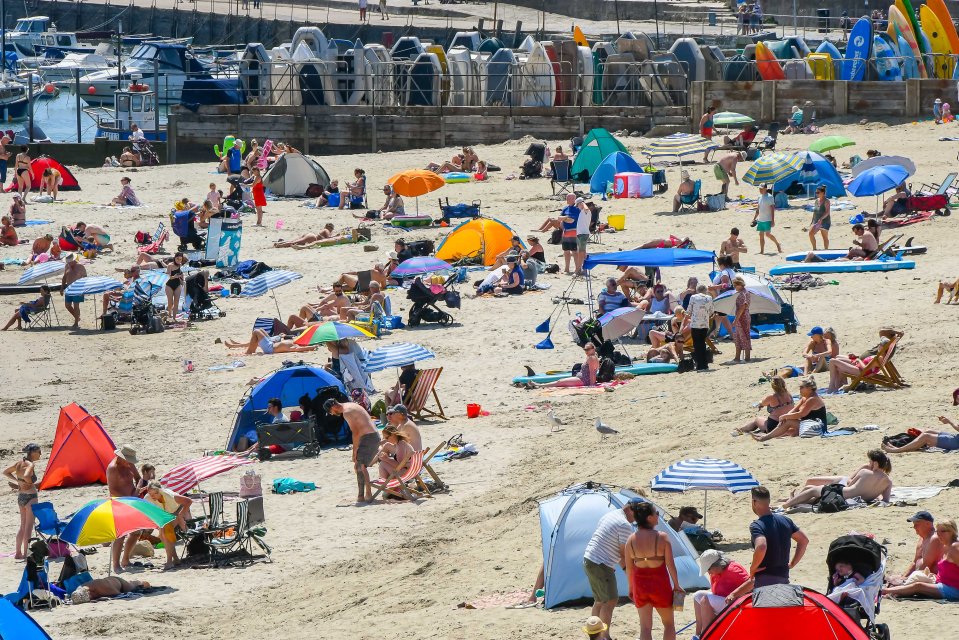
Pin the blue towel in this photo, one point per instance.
(34, 223)
(839, 432)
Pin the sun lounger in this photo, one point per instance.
(160, 236)
(419, 393)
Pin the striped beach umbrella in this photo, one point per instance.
(679, 145)
(42, 271)
(92, 285)
(704, 474)
(107, 519)
(184, 477)
(418, 266)
(330, 332)
(726, 118)
(772, 167)
(396, 355)
(267, 282)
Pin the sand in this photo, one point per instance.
(399, 570)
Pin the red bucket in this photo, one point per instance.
(472, 410)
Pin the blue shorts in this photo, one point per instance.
(947, 592)
(73, 299)
(948, 441)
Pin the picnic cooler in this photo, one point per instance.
(935, 202)
(633, 185)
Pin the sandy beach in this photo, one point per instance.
(394, 571)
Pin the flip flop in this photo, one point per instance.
(523, 605)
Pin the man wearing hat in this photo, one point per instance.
(688, 517)
(122, 479)
(604, 552)
(72, 272)
(686, 187)
(399, 416)
(929, 549)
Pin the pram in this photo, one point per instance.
(861, 602)
(144, 317)
(533, 166)
(202, 306)
(425, 297)
(183, 224)
(148, 157)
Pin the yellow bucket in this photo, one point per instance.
(617, 221)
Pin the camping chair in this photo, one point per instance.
(689, 202)
(940, 189)
(246, 533)
(419, 392)
(160, 236)
(42, 318)
(48, 524)
(881, 371)
(595, 235)
(397, 486)
(372, 321)
(769, 142)
(561, 176)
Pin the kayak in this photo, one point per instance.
(639, 369)
(834, 254)
(846, 266)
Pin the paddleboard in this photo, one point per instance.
(639, 369)
(887, 60)
(945, 19)
(910, 68)
(579, 37)
(943, 64)
(768, 65)
(857, 50)
(835, 254)
(898, 23)
(842, 267)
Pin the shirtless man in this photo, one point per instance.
(864, 247)
(686, 187)
(375, 296)
(632, 278)
(732, 247)
(726, 169)
(929, 549)
(399, 416)
(106, 588)
(94, 234)
(72, 271)
(122, 479)
(328, 307)
(870, 482)
(366, 443)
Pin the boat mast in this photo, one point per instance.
(3, 38)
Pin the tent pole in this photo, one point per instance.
(589, 291)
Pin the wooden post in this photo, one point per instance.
(171, 138)
(697, 103)
(306, 133)
(912, 97)
(840, 97)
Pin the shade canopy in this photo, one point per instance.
(330, 332)
(771, 167)
(418, 266)
(619, 322)
(704, 474)
(107, 519)
(268, 281)
(18, 625)
(616, 162)
(92, 285)
(41, 271)
(650, 258)
(184, 477)
(815, 170)
(760, 301)
(678, 145)
(726, 118)
(831, 142)
(878, 161)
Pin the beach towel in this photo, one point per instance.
(922, 216)
(286, 486)
(911, 494)
(36, 223)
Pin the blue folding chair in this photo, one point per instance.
(48, 525)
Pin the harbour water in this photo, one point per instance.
(57, 117)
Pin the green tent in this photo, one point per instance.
(597, 144)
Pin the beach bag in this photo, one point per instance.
(556, 236)
(452, 299)
(143, 237)
(251, 485)
(699, 538)
(811, 428)
(832, 500)
(716, 201)
(606, 371)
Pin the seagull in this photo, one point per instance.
(604, 429)
(554, 422)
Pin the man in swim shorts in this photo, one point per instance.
(726, 169)
(72, 272)
(366, 443)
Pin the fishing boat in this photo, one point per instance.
(133, 104)
(170, 62)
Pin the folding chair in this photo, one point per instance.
(48, 524)
(244, 535)
(423, 385)
(881, 371)
(373, 321)
(397, 485)
(160, 236)
(938, 189)
(769, 142)
(440, 485)
(562, 176)
(688, 202)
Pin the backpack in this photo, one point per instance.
(606, 371)
(832, 500)
(555, 237)
(181, 222)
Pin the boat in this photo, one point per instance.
(170, 62)
(25, 35)
(14, 99)
(133, 104)
(64, 70)
(255, 73)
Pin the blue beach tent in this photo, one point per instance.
(18, 625)
(815, 170)
(616, 162)
(567, 522)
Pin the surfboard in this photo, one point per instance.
(639, 369)
(579, 37)
(887, 62)
(538, 87)
(945, 19)
(927, 58)
(842, 267)
(943, 64)
(899, 23)
(907, 10)
(910, 68)
(857, 50)
(768, 65)
(835, 254)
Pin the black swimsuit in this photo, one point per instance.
(817, 414)
(174, 282)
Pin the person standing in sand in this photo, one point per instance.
(821, 219)
(72, 272)
(772, 536)
(122, 479)
(259, 195)
(366, 442)
(605, 551)
(22, 476)
(765, 219)
(726, 169)
(732, 247)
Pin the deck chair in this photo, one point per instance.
(246, 533)
(881, 371)
(372, 321)
(688, 202)
(399, 486)
(48, 524)
(438, 484)
(562, 177)
(419, 393)
(938, 189)
(155, 245)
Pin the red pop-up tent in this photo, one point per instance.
(81, 451)
(43, 162)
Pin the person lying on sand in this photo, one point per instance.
(930, 438)
(952, 286)
(455, 164)
(91, 234)
(585, 378)
(326, 233)
(809, 407)
(669, 352)
(777, 404)
(869, 482)
(268, 344)
(107, 588)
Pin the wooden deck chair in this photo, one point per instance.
(429, 469)
(881, 371)
(398, 486)
(160, 236)
(419, 393)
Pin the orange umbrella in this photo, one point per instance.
(416, 182)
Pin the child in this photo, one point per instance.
(844, 573)
(480, 171)
(147, 473)
(214, 197)
(947, 116)
(594, 627)
(937, 111)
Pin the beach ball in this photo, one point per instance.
(49, 88)
(91, 90)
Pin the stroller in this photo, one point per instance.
(144, 317)
(202, 306)
(533, 166)
(425, 297)
(148, 157)
(861, 602)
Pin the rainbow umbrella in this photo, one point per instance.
(330, 332)
(107, 519)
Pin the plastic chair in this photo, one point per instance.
(688, 202)
(48, 524)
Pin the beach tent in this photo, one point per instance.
(81, 450)
(597, 144)
(616, 162)
(815, 170)
(289, 384)
(786, 612)
(567, 522)
(483, 237)
(292, 174)
(44, 162)
(18, 625)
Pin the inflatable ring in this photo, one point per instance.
(454, 177)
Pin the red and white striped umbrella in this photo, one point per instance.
(184, 477)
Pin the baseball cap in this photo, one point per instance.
(399, 408)
(580, 201)
(691, 512)
(921, 515)
(636, 500)
(707, 560)
(815, 331)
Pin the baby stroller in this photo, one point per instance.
(533, 166)
(202, 306)
(144, 317)
(148, 157)
(861, 602)
(424, 299)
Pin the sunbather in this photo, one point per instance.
(928, 553)
(930, 438)
(952, 286)
(267, 344)
(676, 330)
(399, 417)
(869, 482)
(669, 352)
(946, 585)
(809, 407)
(686, 187)
(777, 404)
(8, 235)
(864, 247)
(585, 378)
(820, 349)
(326, 233)
(25, 309)
(91, 234)
(895, 204)
(366, 306)
(454, 164)
(359, 281)
(672, 242)
(391, 208)
(842, 368)
(108, 587)
(514, 249)
(355, 189)
(329, 307)
(395, 452)
(662, 301)
(634, 283)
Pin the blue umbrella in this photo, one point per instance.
(18, 625)
(268, 282)
(92, 285)
(396, 355)
(41, 271)
(704, 474)
(418, 266)
(877, 180)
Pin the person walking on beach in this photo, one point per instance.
(384, 11)
(363, 4)
(742, 321)
(72, 272)
(821, 220)
(259, 195)
(765, 219)
(24, 170)
(22, 476)
(122, 479)
(366, 443)
(772, 536)
(700, 311)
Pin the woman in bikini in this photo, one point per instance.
(23, 478)
(651, 571)
(585, 378)
(177, 279)
(778, 403)
(355, 189)
(24, 170)
(326, 233)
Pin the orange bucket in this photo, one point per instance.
(472, 410)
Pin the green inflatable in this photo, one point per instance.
(227, 145)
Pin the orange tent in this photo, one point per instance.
(81, 450)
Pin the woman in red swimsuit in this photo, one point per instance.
(259, 195)
(652, 573)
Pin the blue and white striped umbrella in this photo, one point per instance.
(92, 285)
(41, 271)
(396, 355)
(268, 281)
(704, 474)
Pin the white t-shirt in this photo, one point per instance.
(137, 135)
(611, 533)
(766, 203)
(582, 222)
(729, 273)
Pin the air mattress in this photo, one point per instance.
(841, 267)
(640, 369)
(411, 221)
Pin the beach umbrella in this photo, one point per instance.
(815, 170)
(619, 322)
(184, 477)
(704, 474)
(268, 282)
(772, 167)
(727, 118)
(330, 332)
(396, 355)
(877, 180)
(760, 301)
(414, 183)
(878, 161)
(679, 145)
(18, 625)
(92, 285)
(831, 142)
(418, 266)
(42, 271)
(107, 519)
